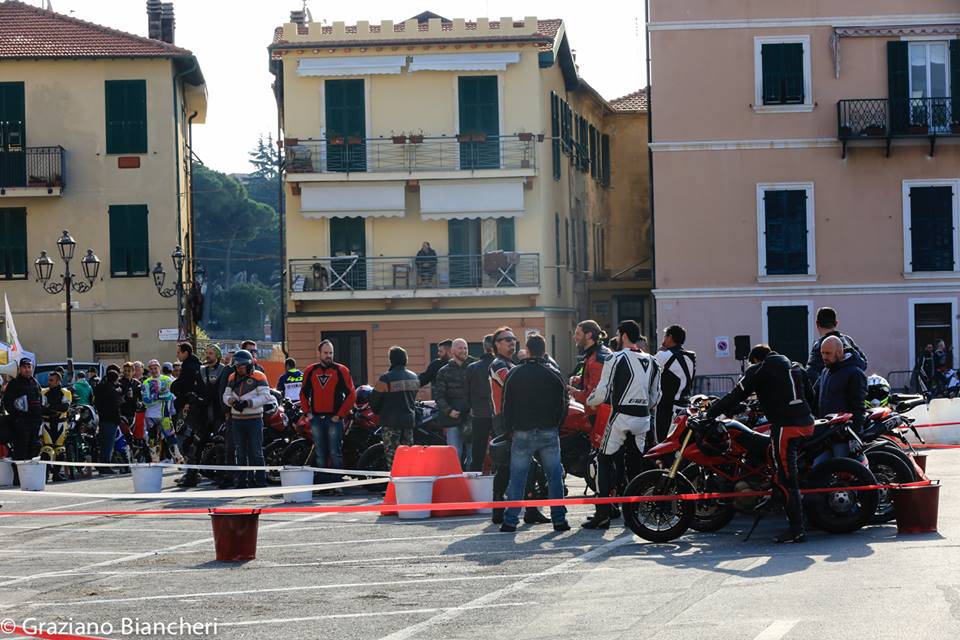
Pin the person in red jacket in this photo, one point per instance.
(326, 397)
(588, 336)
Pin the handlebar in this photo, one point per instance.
(905, 405)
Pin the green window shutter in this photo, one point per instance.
(782, 68)
(506, 234)
(129, 240)
(771, 57)
(787, 331)
(898, 84)
(593, 151)
(479, 108)
(931, 228)
(955, 80)
(793, 92)
(345, 112)
(785, 232)
(555, 133)
(605, 160)
(13, 244)
(125, 105)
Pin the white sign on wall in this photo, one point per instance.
(721, 346)
(168, 335)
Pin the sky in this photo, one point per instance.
(230, 37)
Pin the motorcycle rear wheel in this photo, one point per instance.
(273, 457)
(296, 453)
(888, 468)
(709, 515)
(658, 521)
(373, 459)
(840, 511)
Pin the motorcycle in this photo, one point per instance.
(426, 433)
(86, 443)
(731, 457)
(577, 455)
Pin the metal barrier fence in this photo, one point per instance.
(714, 385)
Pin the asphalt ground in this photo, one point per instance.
(362, 576)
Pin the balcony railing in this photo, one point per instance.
(887, 118)
(494, 270)
(34, 167)
(410, 154)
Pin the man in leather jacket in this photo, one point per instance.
(480, 403)
(394, 400)
(23, 401)
(786, 397)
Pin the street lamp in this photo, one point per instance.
(178, 289)
(260, 307)
(90, 263)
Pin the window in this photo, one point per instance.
(479, 104)
(630, 308)
(346, 125)
(932, 320)
(929, 226)
(126, 112)
(129, 247)
(566, 234)
(929, 78)
(555, 133)
(786, 328)
(605, 160)
(785, 222)
(13, 244)
(584, 243)
(782, 74)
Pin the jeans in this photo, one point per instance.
(454, 436)
(108, 440)
(248, 436)
(546, 443)
(327, 443)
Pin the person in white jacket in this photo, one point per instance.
(630, 382)
(247, 392)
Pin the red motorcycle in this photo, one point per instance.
(730, 457)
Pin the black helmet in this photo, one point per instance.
(500, 450)
(712, 438)
(242, 358)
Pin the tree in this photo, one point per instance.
(265, 158)
(238, 311)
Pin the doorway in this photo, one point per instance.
(464, 238)
(348, 250)
(350, 349)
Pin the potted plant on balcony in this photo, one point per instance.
(874, 130)
(416, 138)
(57, 180)
(525, 136)
(36, 181)
(401, 139)
(354, 140)
(919, 121)
(335, 140)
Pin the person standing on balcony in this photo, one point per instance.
(481, 405)
(443, 356)
(326, 398)
(450, 394)
(426, 265)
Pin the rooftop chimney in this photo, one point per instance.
(298, 17)
(153, 19)
(167, 22)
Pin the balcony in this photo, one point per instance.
(31, 172)
(403, 157)
(887, 119)
(350, 277)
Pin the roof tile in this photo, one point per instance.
(31, 32)
(636, 101)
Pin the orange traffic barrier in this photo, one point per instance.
(431, 461)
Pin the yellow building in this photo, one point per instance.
(479, 138)
(94, 138)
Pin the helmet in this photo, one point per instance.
(242, 358)
(500, 450)
(363, 393)
(711, 437)
(878, 391)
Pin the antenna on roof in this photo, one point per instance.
(49, 5)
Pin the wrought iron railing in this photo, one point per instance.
(494, 270)
(411, 153)
(32, 167)
(889, 117)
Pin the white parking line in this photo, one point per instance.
(369, 614)
(314, 587)
(67, 506)
(776, 630)
(562, 568)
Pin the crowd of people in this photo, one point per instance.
(512, 390)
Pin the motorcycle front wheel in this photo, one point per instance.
(373, 459)
(840, 511)
(888, 468)
(659, 521)
(296, 453)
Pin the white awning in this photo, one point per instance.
(457, 200)
(351, 66)
(352, 200)
(496, 61)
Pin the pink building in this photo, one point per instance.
(806, 153)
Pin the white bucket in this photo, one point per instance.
(147, 478)
(296, 477)
(33, 475)
(414, 490)
(6, 473)
(481, 488)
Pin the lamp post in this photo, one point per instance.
(178, 289)
(65, 283)
(260, 308)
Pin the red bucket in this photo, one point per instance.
(921, 460)
(235, 535)
(916, 508)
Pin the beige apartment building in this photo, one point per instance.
(477, 137)
(805, 154)
(94, 138)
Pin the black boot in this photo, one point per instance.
(497, 517)
(189, 479)
(532, 516)
(597, 521)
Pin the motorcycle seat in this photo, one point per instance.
(880, 413)
(751, 440)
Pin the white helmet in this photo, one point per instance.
(878, 390)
